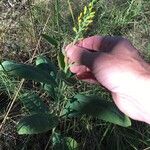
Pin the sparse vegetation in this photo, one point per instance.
(33, 34)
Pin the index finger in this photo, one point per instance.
(92, 43)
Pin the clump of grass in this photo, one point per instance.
(115, 17)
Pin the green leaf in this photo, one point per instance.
(71, 143)
(50, 40)
(33, 103)
(50, 90)
(27, 72)
(61, 62)
(96, 107)
(46, 65)
(37, 123)
(63, 143)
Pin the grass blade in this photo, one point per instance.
(50, 40)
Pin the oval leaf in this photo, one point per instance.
(71, 143)
(37, 123)
(27, 72)
(63, 143)
(46, 65)
(96, 107)
(50, 90)
(33, 103)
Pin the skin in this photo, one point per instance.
(114, 63)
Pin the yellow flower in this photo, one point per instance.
(80, 16)
(85, 10)
(90, 21)
(84, 20)
(75, 30)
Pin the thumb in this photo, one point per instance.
(80, 55)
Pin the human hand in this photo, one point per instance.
(116, 64)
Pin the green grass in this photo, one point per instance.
(21, 41)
